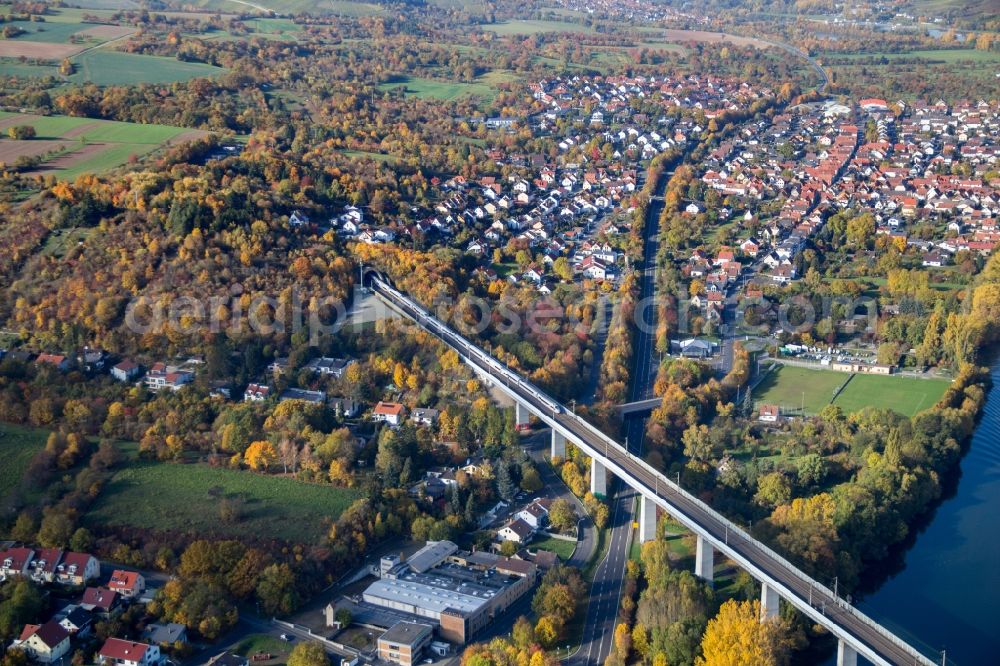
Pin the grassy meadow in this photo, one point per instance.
(17, 446)
(174, 497)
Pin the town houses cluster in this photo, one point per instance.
(920, 174)
(77, 577)
(570, 198)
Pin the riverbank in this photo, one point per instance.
(942, 582)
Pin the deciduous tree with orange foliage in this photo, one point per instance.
(260, 455)
(737, 637)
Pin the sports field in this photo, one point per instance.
(167, 496)
(84, 145)
(905, 395)
(792, 387)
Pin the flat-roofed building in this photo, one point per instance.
(404, 642)
(454, 590)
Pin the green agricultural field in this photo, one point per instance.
(318, 7)
(564, 549)
(519, 27)
(174, 497)
(111, 68)
(932, 55)
(50, 32)
(12, 67)
(792, 387)
(86, 145)
(905, 395)
(89, 130)
(447, 90)
(17, 446)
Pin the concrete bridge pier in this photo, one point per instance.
(598, 479)
(846, 655)
(522, 413)
(647, 519)
(704, 560)
(558, 444)
(768, 602)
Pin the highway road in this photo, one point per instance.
(740, 545)
(609, 576)
(795, 587)
(606, 588)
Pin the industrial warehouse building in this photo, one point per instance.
(459, 592)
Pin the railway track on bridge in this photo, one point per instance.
(858, 632)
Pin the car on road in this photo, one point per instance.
(286, 637)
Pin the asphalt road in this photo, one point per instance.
(609, 577)
(538, 446)
(606, 588)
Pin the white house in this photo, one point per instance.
(769, 413)
(125, 371)
(329, 366)
(45, 643)
(161, 376)
(256, 393)
(535, 514)
(77, 568)
(388, 412)
(517, 531)
(129, 584)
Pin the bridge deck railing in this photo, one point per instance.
(524, 384)
(759, 545)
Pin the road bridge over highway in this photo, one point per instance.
(857, 634)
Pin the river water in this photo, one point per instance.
(945, 592)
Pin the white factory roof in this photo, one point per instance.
(426, 597)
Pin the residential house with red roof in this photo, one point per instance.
(15, 561)
(126, 371)
(100, 600)
(118, 652)
(129, 584)
(77, 568)
(389, 412)
(43, 567)
(57, 361)
(44, 643)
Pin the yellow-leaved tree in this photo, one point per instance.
(260, 455)
(737, 637)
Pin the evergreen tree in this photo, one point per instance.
(470, 510)
(505, 484)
